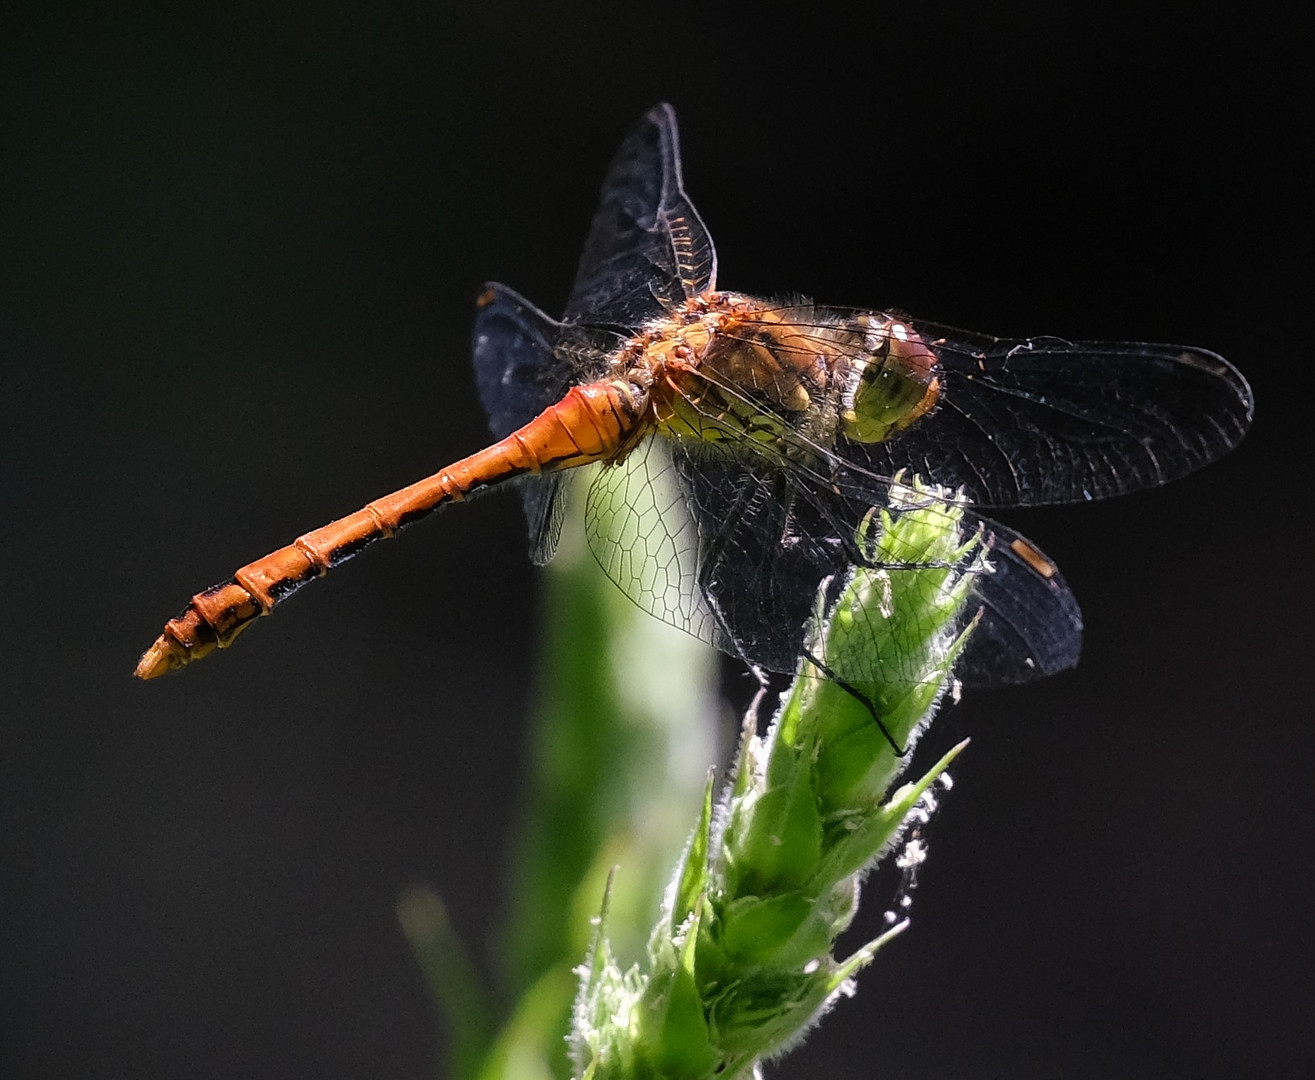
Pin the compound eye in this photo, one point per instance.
(895, 386)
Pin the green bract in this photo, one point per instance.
(740, 962)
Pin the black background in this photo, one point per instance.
(238, 253)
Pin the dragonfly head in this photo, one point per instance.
(890, 384)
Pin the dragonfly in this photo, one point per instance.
(741, 444)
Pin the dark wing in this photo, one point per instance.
(647, 249)
(517, 369)
(770, 541)
(764, 552)
(525, 362)
(744, 569)
(1042, 420)
(1031, 625)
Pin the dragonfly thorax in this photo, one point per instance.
(722, 370)
(727, 366)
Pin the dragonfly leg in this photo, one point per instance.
(858, 696)
(752, 712)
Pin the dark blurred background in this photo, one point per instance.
(240, 250)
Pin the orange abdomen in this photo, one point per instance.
(595, 422)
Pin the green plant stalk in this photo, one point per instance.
(453, 982)
(619, 750)
(739, 963)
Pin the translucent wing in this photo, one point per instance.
(1038, 421)
(1031, 625)
(735, 551)
(524, 362)
(640, 531)
(763, 553)
(647, 248)
(768, 544)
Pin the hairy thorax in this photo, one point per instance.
(725, 367)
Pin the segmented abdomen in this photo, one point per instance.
(594, 422)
